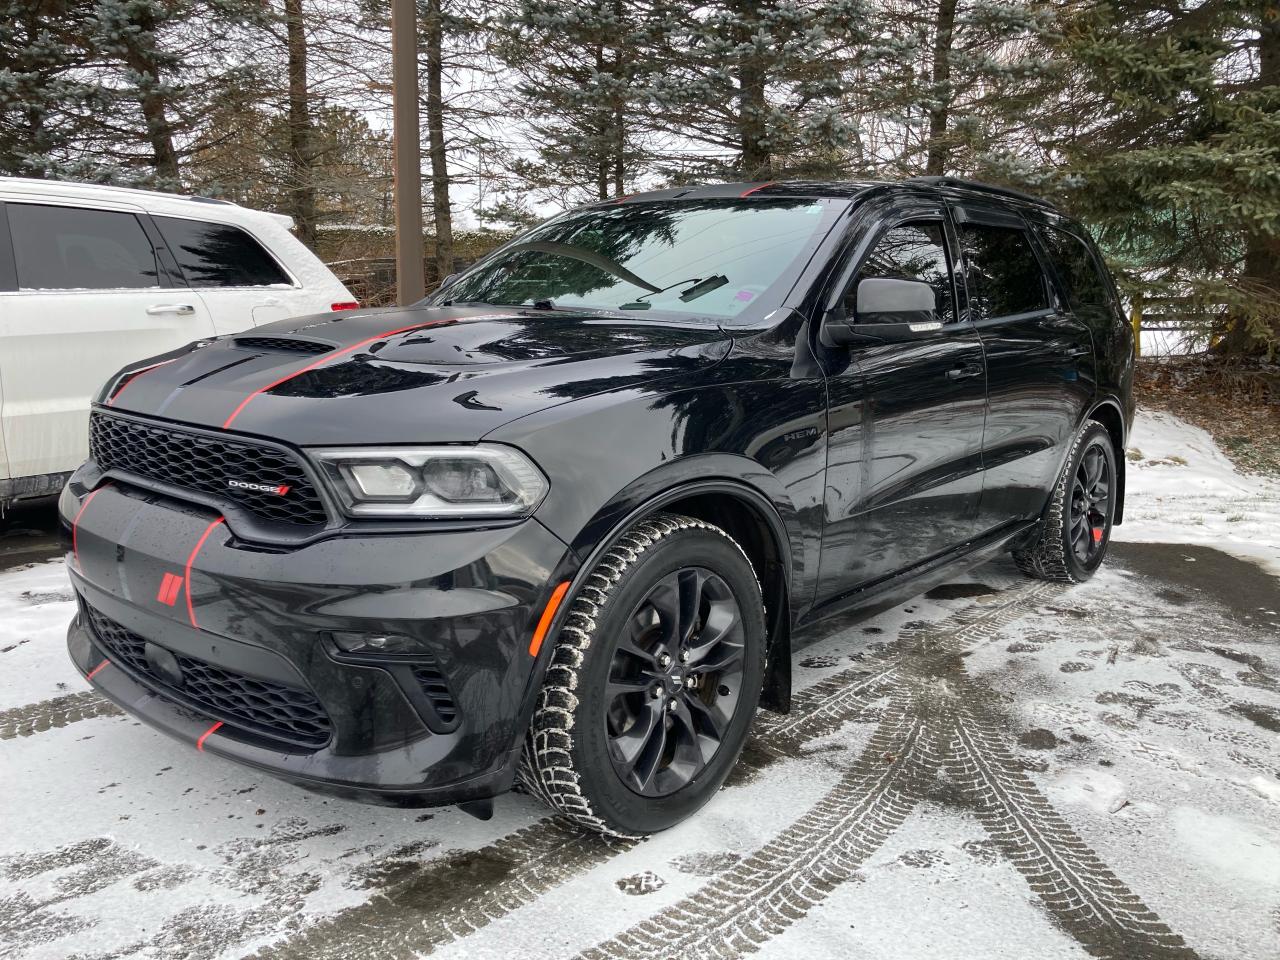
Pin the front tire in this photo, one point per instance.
(653, 681)
(1076, 527)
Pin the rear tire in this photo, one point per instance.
(1076, 527)
(672, 589)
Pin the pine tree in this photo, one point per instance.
(45, 94)
(302, 156)
(350, 172)
(1167, 131)
(948, 82)
(583, 75)
(164, 66)
(755, 86)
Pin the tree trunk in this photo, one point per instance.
(1262, 251)
(302, 188)
(433, 29)
(939, 149)
(602, 138)
(751, 121)
(619, 110)
(619, 153)
(141, 58)
(753, 129)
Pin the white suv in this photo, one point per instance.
(93, 278)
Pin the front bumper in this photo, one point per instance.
(225, 644)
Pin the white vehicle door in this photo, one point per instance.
(91, 297)
(242, 284)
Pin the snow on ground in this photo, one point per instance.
(1183, 489)
(1000, 769)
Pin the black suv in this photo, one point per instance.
(567, 519)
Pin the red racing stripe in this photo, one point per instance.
(325, 359)
(748, 192)
(205, 736)
(111, 400)
(75, 524)
(186, 573)
(94, 672)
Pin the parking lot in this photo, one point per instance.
(1001, 768)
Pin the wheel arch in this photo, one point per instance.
(1108, 413)
(751, 517)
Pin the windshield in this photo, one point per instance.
(717, 260)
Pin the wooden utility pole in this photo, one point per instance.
(410, 282)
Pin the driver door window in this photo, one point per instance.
(909, 251)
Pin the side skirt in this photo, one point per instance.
(31, 488)
(883, 594)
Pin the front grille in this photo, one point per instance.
(261, 707)
(437, 691)
(192, 461)
(282, 344)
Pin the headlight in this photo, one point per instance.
(485, 480)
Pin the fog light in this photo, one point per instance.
(374, 643)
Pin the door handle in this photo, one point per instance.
(176, 309)
(968, 370)
(1078, 351)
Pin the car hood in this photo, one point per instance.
(412, 375)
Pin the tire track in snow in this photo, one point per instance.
(760, 896)
(961, 759)
(516, 869)
(453, 896)
(1078, 890)
(53, 714)
(824, 706)
(449, 898)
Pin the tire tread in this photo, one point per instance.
(547, 768)
(1046, 559)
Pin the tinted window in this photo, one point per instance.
(1002, 271)
(705, 258)
(69, 248)
(912, 251)
(217, 255)
(1086, 286)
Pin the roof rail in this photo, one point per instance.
(978, 185)
(107, 188)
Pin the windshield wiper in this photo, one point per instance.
(701, 286)
(607, 264)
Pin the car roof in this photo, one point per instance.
(954, 187)
(154, 201)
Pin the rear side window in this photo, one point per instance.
(1002, 272)
(911, 251)
(218, 255)
(72, 248)
(1086, 286)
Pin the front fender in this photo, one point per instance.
(610, 457)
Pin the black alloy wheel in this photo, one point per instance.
(1091, 495)
(653, 681)
(1075, 530)
(675, 682)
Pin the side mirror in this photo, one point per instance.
(889, 310)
